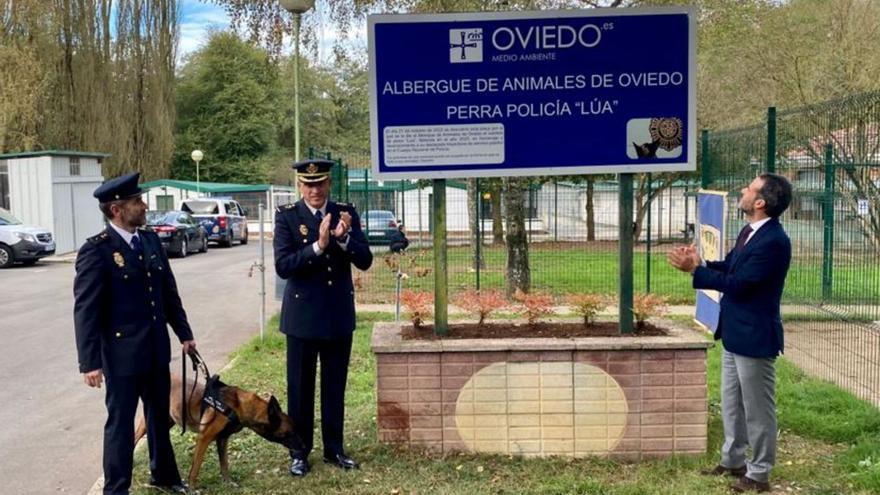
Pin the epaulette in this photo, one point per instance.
(346, 205)
(97, 239)
(282, 208)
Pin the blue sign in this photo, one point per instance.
(533, 93)
(711, 214)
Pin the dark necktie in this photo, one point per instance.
(318, 216)
(743, 237)
(136, 245)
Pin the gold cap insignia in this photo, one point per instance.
(120, 261)
(303, 229)
(312, 169)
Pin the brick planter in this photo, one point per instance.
(625, 397)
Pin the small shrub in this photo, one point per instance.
(648, 306)
(419, 306)
(587, 305)
(534, 305)
(480, 303)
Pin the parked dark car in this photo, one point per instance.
(179, 232)
(381, 226)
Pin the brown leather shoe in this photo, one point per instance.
(720, 470)
(746, 484)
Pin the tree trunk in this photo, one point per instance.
(497, 226)
(474, 225)
(518, 271)
(591, 211)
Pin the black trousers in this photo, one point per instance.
(302, 357)
(122, 397)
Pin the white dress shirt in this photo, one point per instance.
(126, 235)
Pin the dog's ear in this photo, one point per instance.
(274, 413)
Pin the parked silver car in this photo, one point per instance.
(21, 243)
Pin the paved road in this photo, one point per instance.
(50, 422)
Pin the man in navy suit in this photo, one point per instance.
(751, 279)
(125, 298)
(316, 242)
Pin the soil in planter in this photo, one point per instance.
(524, 330)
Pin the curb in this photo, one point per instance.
(65, 258)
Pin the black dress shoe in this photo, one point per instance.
(342, 461)
(746, 484)
(179, 487)
(720, 470)
(299, 467)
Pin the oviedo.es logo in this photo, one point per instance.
(465, 45)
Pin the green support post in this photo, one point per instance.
(441, 321)
(367, 202)
(555, 210)
(402, 202)
(648, 240)
(479, 238)
(771, 140)
(705, 163)
(625, 219)
(828, 237)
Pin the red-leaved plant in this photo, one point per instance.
(648, 306)
(534, 305)
(419, 306)
(587, 305)
(480, 303)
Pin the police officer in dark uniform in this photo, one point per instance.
(316, 242)
(125, 296)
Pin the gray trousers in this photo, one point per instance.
(748, 410)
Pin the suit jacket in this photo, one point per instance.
(319, 296)
(752, 281)
(123, 304)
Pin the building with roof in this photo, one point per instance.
(53, 189)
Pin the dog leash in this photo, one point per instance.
(198, 364)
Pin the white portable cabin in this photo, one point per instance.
(53, 189)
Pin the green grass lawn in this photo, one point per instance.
(564, 268)
(829, 444)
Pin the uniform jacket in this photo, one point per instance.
(123, 305)
(319, 296)
(752, 281)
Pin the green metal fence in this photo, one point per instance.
(831, 153)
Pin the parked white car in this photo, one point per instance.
(21, 243)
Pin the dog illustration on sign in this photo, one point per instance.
(660, 137)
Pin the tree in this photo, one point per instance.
(228, 96)
(519, 274)
(90, 75)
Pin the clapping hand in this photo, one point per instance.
(343, 225)
(324, 232)
(685, 258)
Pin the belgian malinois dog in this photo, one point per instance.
(264, 417)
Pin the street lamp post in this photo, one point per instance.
(297, 8)
(197, 156)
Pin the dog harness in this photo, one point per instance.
(212, 399)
